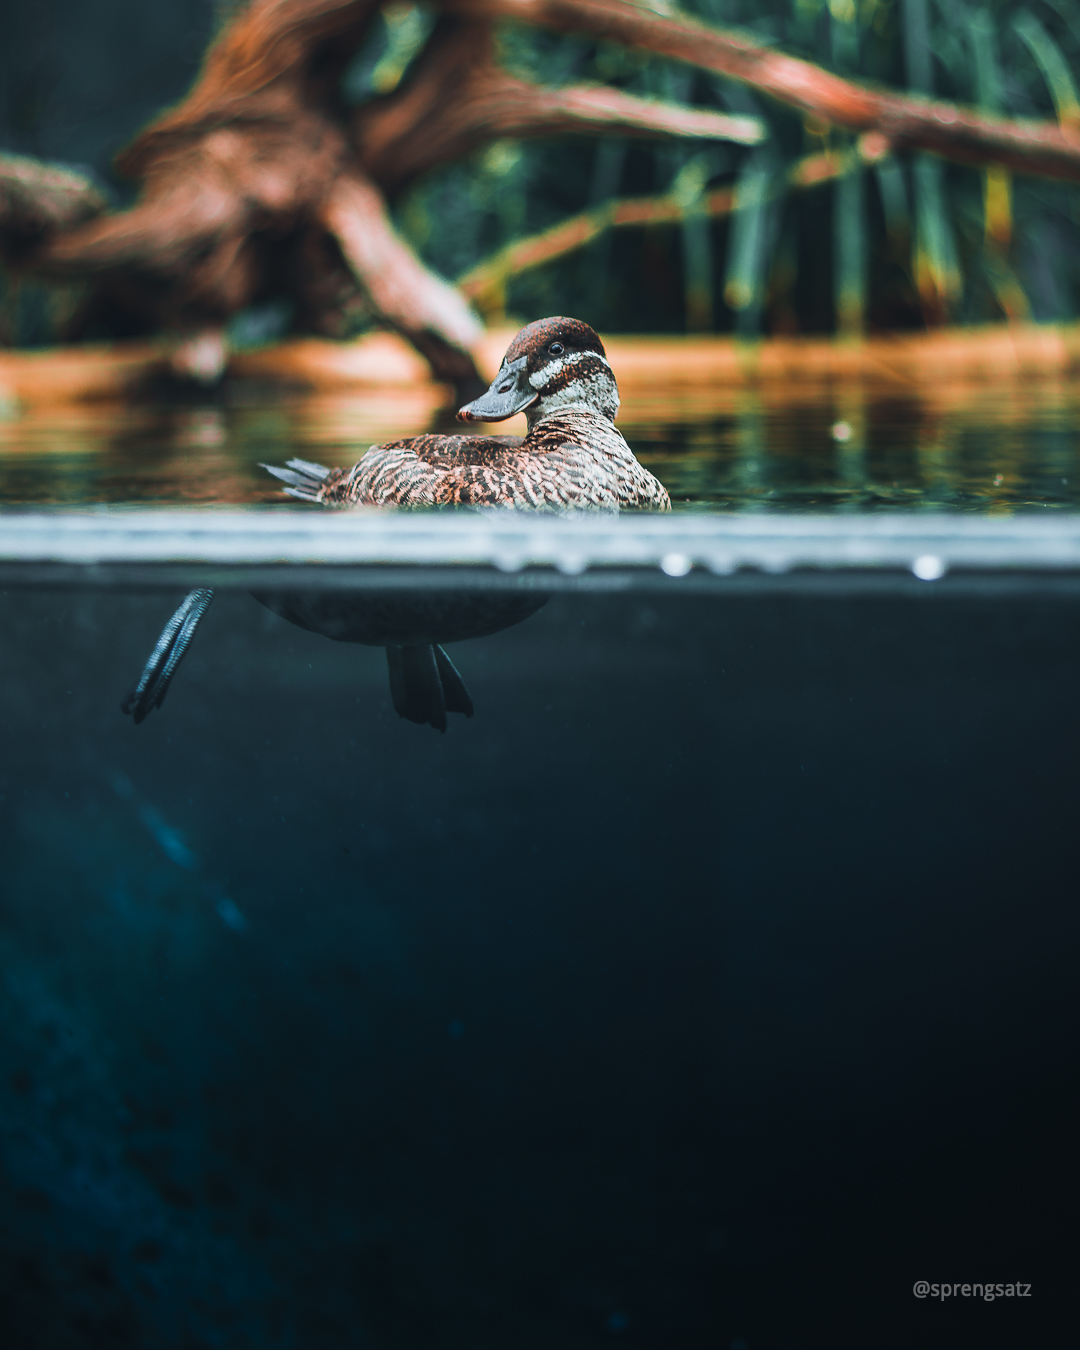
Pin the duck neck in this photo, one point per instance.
(567, 412)
(578, 388)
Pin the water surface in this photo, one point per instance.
(992, 447)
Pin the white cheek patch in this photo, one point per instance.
(555, 367)
(577, 391)
(597, 392)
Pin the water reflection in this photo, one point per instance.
(977, 446)
(970, 447)
(425, 684)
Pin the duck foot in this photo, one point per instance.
(425, 685)
(153, 684)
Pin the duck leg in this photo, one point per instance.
(425, 686)
(455, 695)
(153, 684)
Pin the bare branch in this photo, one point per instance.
(458, 98)
(427, 310)
(1039, 148)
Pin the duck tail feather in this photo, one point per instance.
(153, 684)
(455, 695)
(309, 467)
(305, 479)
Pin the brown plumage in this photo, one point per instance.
(573, 458)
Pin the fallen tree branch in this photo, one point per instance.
(430, 312)
(457, 98)
(1039, 148)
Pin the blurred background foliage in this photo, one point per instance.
(907, 242)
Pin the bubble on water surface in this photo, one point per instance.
(929, 567)
(675, 564)
(572, 564)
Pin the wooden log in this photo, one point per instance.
(649, 369)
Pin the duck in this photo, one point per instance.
(572, 459)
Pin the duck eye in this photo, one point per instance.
(556, 348)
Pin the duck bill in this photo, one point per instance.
(510, 393)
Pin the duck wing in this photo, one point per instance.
(549, 471)
(412, 472)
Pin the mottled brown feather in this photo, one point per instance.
(570, 460)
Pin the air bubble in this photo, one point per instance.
(675, 564)
(572, 564)
(928, 567)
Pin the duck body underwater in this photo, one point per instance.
(571, 459)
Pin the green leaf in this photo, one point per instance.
(983, 33)
(688, 190)
(849, 253)
(894, 197)
(917, 50)
(937, 270)
(744, 286)
(1055, 70)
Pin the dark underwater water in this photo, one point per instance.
(710, 986)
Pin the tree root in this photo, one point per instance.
(248, 180)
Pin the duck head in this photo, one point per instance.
(553, 365)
